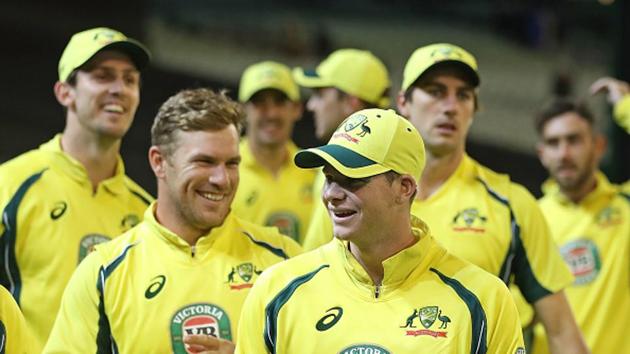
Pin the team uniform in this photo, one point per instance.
(594, 239)
(142, 292)
(320, 229)
(429, 302)
(15, 337)
(51, 217)
(284, 201)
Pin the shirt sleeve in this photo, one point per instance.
(15, 337)
(504, 328)
(621, 113)
(77, 323)
(251, 328)
(538, 267)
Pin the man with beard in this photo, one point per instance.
(177, 281)
(60, 200)
(272, 190)
(478, 214)
(589, 219)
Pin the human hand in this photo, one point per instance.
(615, 89)
(205, 344)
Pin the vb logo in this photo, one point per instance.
(333, 316)
(155, 287)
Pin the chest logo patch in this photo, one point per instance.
(582, 256)
(59, 208)
(333, 315)
(129, 221)
(155, 287)
(287, 223)
(608, 216)
(88, 242)
(426, 316)
(364, 349)
(245, 273)
(200, 318)
(469, 220)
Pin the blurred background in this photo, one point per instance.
(528, 51)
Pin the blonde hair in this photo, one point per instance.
(194, 110)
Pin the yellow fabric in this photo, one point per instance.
(425, 57)
(430, 301)
(474, 222)
(594, 238)
(83, 45)
(158, 288)
(285, 201)
(267, 75)
(622, 112)
(320, 230)
(356, 72)
(15, 337)
(51, 218)
(370, 142)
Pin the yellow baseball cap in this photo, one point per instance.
(84, 45)
(356, 72)
(367, 143)
(267, 75)
(426, 57)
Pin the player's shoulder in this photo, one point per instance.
(136, 190)
(503, 187)
(25, 165)
(300, 266)
(258, 232)
(108, 252)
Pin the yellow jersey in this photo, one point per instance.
(51, 218)
(594, 239)
(284, 201)
(429, 302)
(15, 337)
(145, 290)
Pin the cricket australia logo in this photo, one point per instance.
(608, 216)
(287, 223)
(245, 272)
(202, 318)
(357, 121)
(582, 256)
(88, 242)
(470, 220)
(426, 317)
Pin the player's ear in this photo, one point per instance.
(64, 93)
(408, 188)
(157, 160)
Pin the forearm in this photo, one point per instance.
(563, 334)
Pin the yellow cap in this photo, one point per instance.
(356, 72)
(267, 75)
(84, 45)
(370, 142)
(426, 57)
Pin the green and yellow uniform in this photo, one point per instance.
(145, 290)
(484, 218)
(51, 217)
(284, 201)
(594, 239)
(320, 229)
(429, 302)
(15, 337)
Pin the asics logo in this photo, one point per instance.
(58, 210)
(329, 320)
(155, 287)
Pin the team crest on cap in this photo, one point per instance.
(364, 349)
(88, 242)
(583, 259)
(245, 273)
(106, 36)
(427, 317)
(443, 53)
(469, 219)
(207, 319)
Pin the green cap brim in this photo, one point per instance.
(309, 78)
(344, 160)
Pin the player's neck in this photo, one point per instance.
(99, 156)
(171, 219)
(437, 171)
(271, 157)
(576, 195)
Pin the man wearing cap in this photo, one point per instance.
(272, 190)
(346, 81)
(476, 213)
(177, 281)
(60, 200)
(384, 285)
